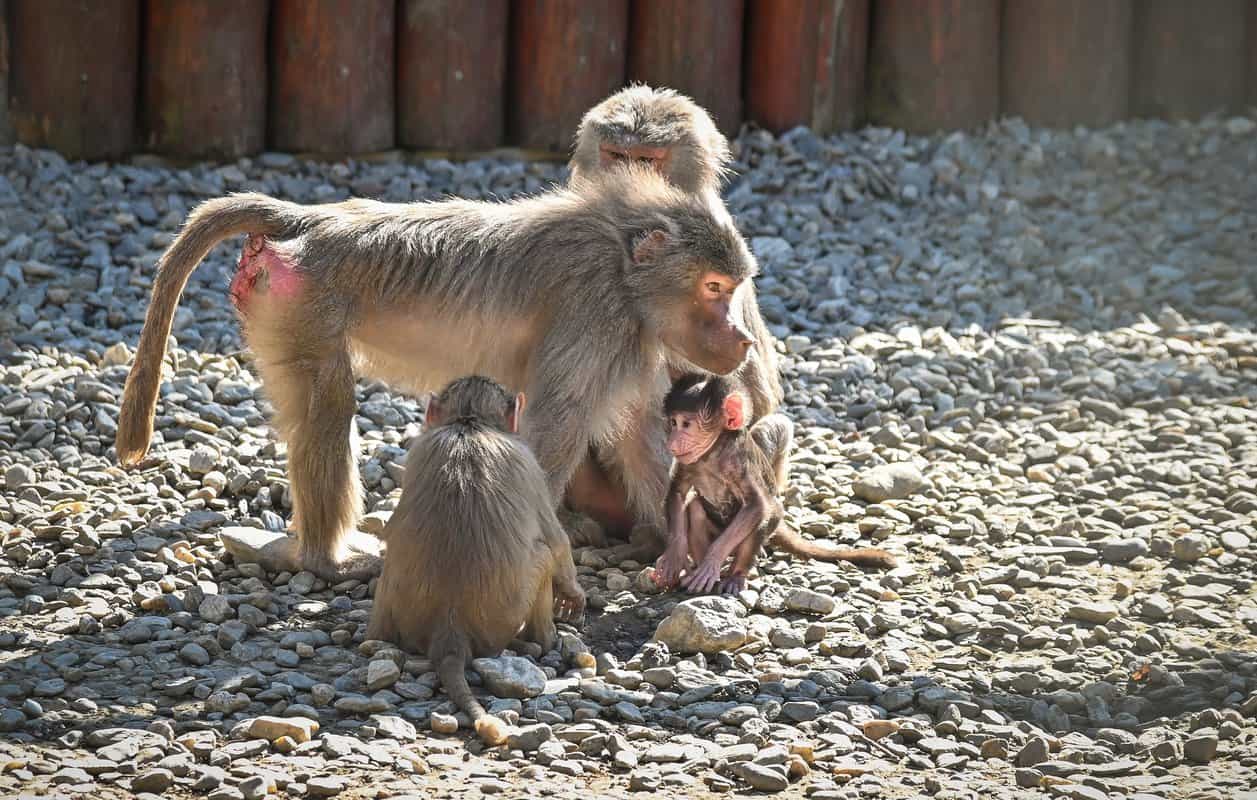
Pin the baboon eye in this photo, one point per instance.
(713, 286)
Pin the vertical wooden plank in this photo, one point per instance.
(1251, 46)
(694, 47)
(6, 124)
(1066, 62)
(332, 80)
(1189, 57)
(451, 73)
(806, 63)
(781, 61)
(203, 87)
(934, 64)
(566, 55)
(74, 75)
(841, 57)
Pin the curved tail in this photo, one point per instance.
(451, 653)
(790, 541)
(207, 225)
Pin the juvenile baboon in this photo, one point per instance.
(677, 138)
(475, 552)
(576, 296)
(725, 496)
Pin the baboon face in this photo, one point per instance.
(701, 273)
(699, 408)
(703, 326)
(717, 341)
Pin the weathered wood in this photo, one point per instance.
(74, 75)
(934, 64)
(451, 73)
(203, 88)
(6, 125)
(566, 55)
(806, 63)
(694, 47)
(1189, 57)
(841, 57)
(781, 61)
(332, 78)
(1251, 46)
(1066, 62)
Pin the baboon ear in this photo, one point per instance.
(516, 413)
(648, 245)
(432, 417)
(734, 411)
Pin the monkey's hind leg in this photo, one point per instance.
(311, 385)
(539, 626)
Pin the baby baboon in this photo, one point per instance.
(474, 549)
(676, 137)
(576, 296)
(736, 476)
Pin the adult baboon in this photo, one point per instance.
(676, 137)
(574, 296)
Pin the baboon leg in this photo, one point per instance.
(701, 531)
(592, 492)
(640, 463)
(569, 597)
(313, 395)
(539, 626)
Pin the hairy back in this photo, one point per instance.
(482, 479)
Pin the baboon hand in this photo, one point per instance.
(733, 583)
(704, 578)
(569, 606)
(668, 567)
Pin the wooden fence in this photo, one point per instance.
(224, 78)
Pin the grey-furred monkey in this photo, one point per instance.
(475, 552)
(575, 296)
(670, 133)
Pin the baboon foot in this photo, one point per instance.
(647, 542)
(360, 558)
(276, 551)
(582, 530)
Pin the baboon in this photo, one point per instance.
(725, 496)
(475, 552)
(676, 137)
(575, 296)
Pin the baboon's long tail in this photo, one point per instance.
(451, 656)
(207, 225)
(789, 540)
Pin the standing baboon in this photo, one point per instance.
(474, 549)
(574, 296)
(676, 137)
(725, 495)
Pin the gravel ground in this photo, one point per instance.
(1024, 361)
